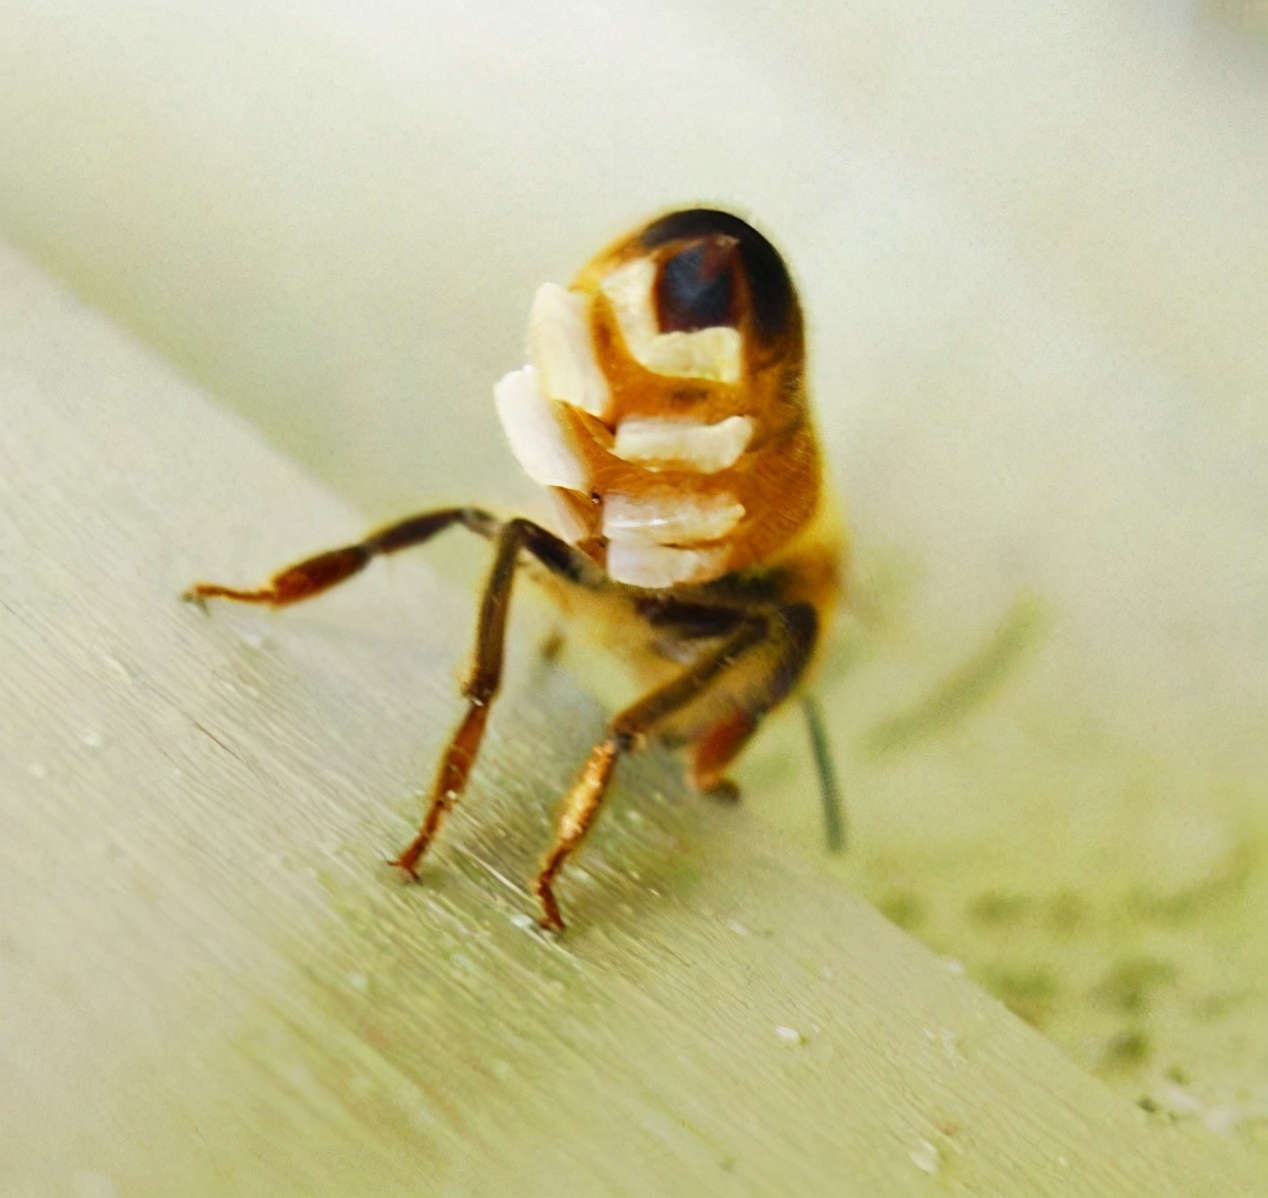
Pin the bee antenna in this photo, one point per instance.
(829, 789)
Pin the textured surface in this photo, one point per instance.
(211, 984)
(1032, 249)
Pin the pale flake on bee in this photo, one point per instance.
(662, 442)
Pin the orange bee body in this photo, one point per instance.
(664, 407)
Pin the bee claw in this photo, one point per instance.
(725, 791)
(550, 919)
(409, 870)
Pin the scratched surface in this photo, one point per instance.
(212, 985)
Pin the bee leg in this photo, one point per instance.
(579, 810)
(794, 630)
(715, 749)
(319, 573)
(486, 672)
(627, 731)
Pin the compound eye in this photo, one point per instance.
(695, 289)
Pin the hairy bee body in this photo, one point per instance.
(664, 409)
(671, 424)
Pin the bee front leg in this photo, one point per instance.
(323, 571)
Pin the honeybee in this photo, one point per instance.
(664, 408)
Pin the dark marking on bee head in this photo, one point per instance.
(695, 289)
(703, 282)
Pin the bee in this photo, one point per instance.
(664, 409)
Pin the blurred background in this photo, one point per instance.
(1032, 248)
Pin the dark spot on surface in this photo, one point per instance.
(996, 908)
(1129, 1049)
(904, 908)
(1129, 985)
(1028, 994)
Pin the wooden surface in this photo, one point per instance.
(211, 985)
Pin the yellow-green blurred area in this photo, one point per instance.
(1107, 886)
(1032, 248)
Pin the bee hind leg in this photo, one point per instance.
(627, 731)
(714, 750)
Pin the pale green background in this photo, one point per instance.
(1032, 247)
